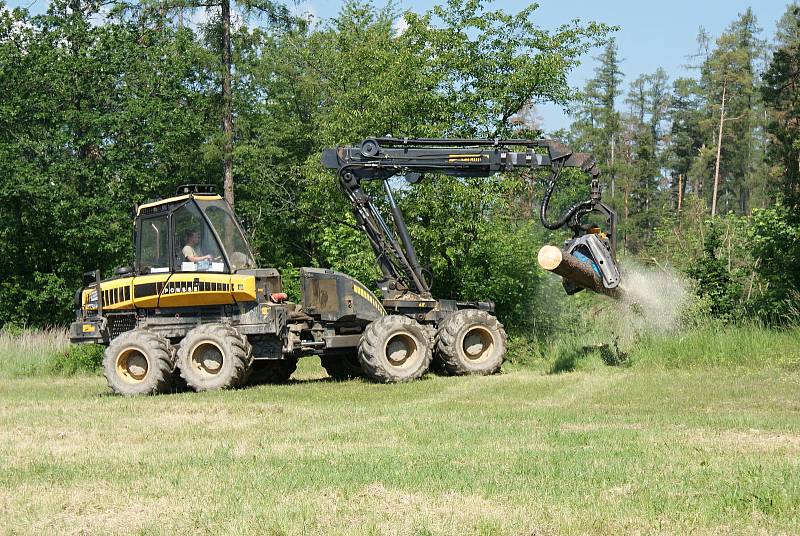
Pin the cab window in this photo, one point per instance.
(196, 249)
(230, 234)
(153, 246)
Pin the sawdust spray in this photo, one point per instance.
(654, 300)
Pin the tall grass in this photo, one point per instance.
(41, 352)
(48, 351)
(659, 324)
(710, 345)
(741, 345)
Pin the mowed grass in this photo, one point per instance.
(600, 450)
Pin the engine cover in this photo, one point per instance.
(333, 296)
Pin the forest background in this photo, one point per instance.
(109, 104)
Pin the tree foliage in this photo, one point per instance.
(781, 91)
(109, 105)
(95, 118)
(106, 109)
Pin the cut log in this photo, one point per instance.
(570, 268)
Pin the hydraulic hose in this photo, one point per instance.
(561, 222)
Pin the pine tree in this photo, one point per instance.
(729, 78)
(781, 93)
(597, 127)
(686, 136)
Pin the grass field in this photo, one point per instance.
(599, 450)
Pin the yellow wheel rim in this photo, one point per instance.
(477, 343)
(132, 365)
(401, 350)
(206, 358)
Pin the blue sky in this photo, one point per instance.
(652, 34)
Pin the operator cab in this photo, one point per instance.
(195, 231)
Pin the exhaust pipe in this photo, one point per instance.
(572, 269)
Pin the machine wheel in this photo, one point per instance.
(139, 362)
(214, 356)
(271, 371)
(342, 366)
(394, 348)
(470, 341)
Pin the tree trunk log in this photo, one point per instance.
(570, 268)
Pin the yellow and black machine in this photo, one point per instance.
(195, 308)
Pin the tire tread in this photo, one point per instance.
(161, 359)
(230, 339)
(447, 352)
(370, 349)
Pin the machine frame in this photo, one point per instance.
(232, 324)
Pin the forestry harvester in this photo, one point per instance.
(195, 308)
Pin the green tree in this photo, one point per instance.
(94, 119)
(100, 113)
(774, 240)
(642, 158)
(714, 279)
(781, 93)
(728, 79)
(218, 32)
(774, 232)
(686, 136)
(460, 71)
(597, 122)
(490, 64)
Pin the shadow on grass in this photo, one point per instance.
(306, 381)
(569, 357)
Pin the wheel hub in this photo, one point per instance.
(132, 365)
(207, 359)
(478, 343)
(401, 349)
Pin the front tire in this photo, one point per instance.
(393, 349)
(214, 356)
(470, 341)
(139, 362)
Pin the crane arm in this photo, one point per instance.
(381, 158)
(413, 158)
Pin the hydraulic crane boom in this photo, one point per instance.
(413, 158)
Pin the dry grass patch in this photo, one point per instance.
(397, 512)
(751, 440)
(96, 508)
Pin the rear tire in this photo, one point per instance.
(342, 366)
(393, 349)
(271, 371)
(214, 356)
(139, 362)
(471, 341)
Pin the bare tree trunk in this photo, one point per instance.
(613, 177)
(625, 234)
(227, 112)
(719, 149)
(680, 190)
